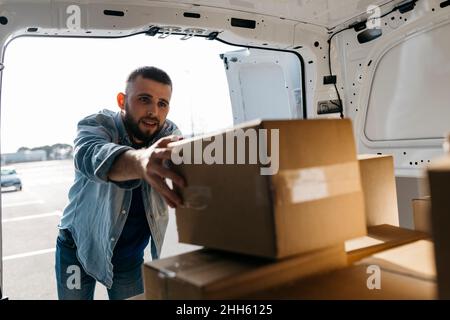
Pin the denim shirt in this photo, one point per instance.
(98, 208)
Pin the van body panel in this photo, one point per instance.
(394, 111)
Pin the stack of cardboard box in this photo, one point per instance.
(271, 223)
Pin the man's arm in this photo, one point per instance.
(147, 164)
(95, 150)
(101, 160)
(126, 167)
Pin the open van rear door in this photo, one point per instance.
(264, 84)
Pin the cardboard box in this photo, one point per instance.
(351, 283)
(208, 274)
(313, 201)
(380, 194)
(439, 178)
(380, 238)
(422, 214)
(403, 273)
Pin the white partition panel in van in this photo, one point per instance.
(264, 84)
(407, 99)
(410, 95)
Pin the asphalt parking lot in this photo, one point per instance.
(30, 218)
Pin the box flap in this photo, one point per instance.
(380, 238)
(379, 187)
(415, 259)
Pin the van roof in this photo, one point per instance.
(324, 13)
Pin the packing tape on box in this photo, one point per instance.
(188, 263)
(315, 183)
(196, 197)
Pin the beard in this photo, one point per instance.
(133, 128)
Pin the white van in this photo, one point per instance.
(382, 63)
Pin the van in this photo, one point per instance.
(381, 63)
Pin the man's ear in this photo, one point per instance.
(121, 100)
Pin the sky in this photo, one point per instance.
(49, 84)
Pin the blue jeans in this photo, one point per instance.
(73, 283)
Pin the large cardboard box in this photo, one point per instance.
(439, 178)
(313, 200)
(380, 194)
(403, 273)
(422, 214)
(380, 238)
(208, 274)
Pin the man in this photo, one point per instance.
(118, 201)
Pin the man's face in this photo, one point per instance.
(145, 108)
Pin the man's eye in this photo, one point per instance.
(144, 99)
(162, 104)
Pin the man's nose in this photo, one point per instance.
(152, 109)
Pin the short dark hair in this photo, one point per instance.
(151, 73)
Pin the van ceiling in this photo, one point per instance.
(325, 13)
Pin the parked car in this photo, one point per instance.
(10, 179)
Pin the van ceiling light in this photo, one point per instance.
(369, 35)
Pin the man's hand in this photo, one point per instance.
(147, 164)
(154, 172)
